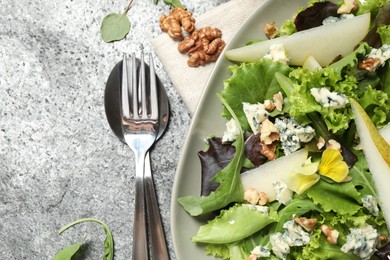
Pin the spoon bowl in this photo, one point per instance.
(112, 101)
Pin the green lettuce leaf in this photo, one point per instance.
(352, 59)
(384, 33)
(342, 198)
(230, 189)
(232, 225)
(252, 83)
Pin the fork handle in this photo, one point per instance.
(159, 247)
(140, 246)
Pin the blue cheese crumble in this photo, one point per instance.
(292, 134)
(329, 99)
(232, 131)
(277, 53)
(255, 114)
(279, 245)
(294, 235)
(361, 242)
(283, 193)
(371, 204)
(261, 209)
(334, 19)
(261, 251)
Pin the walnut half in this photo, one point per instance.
(173, 23)
(203, 46)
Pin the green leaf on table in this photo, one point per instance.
(115, 27)
(108, 242)
(173, 3)
(68, 252)
(230, 189)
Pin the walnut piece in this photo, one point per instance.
(349, 6)
(175, 21)
(268, 132)
(308, 224)
(203, 46)
(251, 196)
(268, 151)
(370, 64)
(320, 143)
(278, 101)
(331, 234)
(271, 30)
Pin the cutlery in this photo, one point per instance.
(112, 106)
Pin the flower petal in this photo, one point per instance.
(333, 166)
(301, 182)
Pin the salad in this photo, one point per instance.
(289, 178)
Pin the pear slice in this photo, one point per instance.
(262, 178)
(325, 42)
(369, 133)
(377, 153)
(311, 63)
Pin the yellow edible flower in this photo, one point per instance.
(333, 166)
(303, 177)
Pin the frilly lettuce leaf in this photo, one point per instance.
(232, 225)
(230, 189)
(384, 33)
(370, 6)
(252, 83)
(342, 198)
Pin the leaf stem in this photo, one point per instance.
(129, 5)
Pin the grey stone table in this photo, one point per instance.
(59, 160)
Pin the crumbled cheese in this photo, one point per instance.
(361, 242)
(334, 19)
(283, 193)
(295, 235)
(277, 53)
(261, 251)
(279, 244)
(370, 203)
(292, 134)
(383, 53)
(232, 131)
(329, 99)
(261, 209)
(255, 114)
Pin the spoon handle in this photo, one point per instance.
(159, 247)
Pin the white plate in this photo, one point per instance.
(207, 120)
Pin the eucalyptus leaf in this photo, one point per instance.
(115, 27)
(174, 3)
(108, 242)
(68, 252)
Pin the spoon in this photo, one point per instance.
(112, 107)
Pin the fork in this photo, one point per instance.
(140, 127)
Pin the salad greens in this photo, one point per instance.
(346, 220)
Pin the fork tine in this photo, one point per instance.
(142, 88)
(134, 89)
(124, 90)
(153, 90)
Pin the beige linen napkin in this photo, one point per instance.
(190, 81)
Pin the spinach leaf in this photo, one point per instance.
(108, 242)
(230, 189)
(232, 225)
